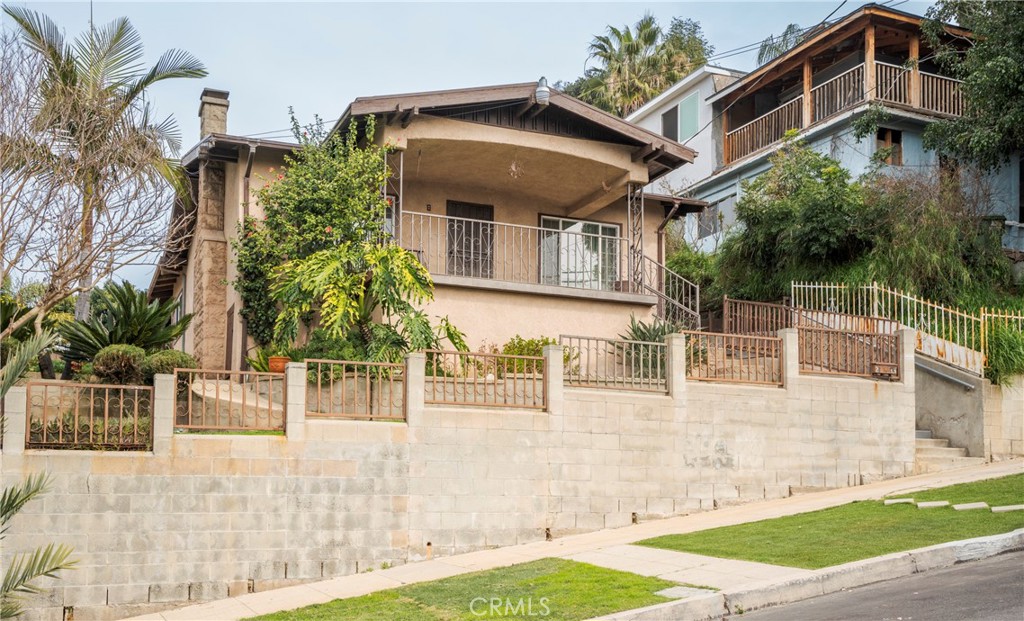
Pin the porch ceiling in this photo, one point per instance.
(559, 179)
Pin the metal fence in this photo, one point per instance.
(741, 359)
(838, 352)
(65, 415)
(229, 400)
(355, 390)
(766, 319)
(489, 380)
(614, 363)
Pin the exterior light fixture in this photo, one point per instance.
(543, 94)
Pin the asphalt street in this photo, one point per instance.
(987, 590)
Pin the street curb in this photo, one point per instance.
(825, 581)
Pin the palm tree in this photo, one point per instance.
(632, 71)
(93, 97)
(42, 562)
(773, 47)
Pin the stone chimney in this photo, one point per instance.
(213, 112)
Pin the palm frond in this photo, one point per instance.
(173, 64)
(25, 353)
(42, 35)
(110, 55)
(17, 496)
(26, 568)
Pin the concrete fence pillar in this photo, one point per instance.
(675, 365)
(415, 379)
(790, 356)
(295, 401)
(163, 413)
(554, 378)
(15, 420)
(908, 345)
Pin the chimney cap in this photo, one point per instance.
(214, 93)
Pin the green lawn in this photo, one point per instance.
(859, 530)
(551, 589)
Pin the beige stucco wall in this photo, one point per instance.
(206, 516)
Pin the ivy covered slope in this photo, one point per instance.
(322, 257)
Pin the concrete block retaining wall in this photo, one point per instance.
(205, 516)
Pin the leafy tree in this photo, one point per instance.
(123, 315)
(637, 63)
(322, 252)
(25, 569)
(99, 77)
(991, 65)
(774, 46)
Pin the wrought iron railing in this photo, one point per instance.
(840, 352)
(487, 380)
(66, 415)
(229, 400)
(678, 298)
(734, 358)
(463, 247)
(355, 390)
(595, 362)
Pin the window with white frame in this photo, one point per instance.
(579, 254)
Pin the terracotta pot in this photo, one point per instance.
(276, 363)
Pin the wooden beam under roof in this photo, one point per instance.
(599, 199)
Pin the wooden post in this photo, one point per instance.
(726, 150)
(808, 104)
(869, 63)
(915, 70)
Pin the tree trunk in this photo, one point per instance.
(46, 366)
(82, 304)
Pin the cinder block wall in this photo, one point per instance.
(204, 517)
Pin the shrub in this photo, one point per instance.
(1005, 354)
(166, 361)
(119, 364)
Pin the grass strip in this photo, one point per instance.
(551, 589)
(858, 530)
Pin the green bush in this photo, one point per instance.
(518, 346)
(166, 361)
(119, 364)
(1005, 354)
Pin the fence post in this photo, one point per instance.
(675, 366)
(790, 355)
(295, 401)
(908, 344)
(874, 299)
(554, 370)
(15, 420)
(725, 315)
(163, 413)
(415, 387)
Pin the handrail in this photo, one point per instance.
(838, 77)
(798, 98)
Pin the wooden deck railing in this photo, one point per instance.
(595, 362)
(488, 380)
(740, 359)
(228, 400)
(355, 390)
(941, 94)
(765, 130)
(66, 415)
(839, 93)
(892, 83)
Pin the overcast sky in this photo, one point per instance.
(318, 56)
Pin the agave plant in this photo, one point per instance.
(121, 315)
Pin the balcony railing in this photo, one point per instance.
(893, 84)
(467, 248)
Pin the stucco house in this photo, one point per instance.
(526, 206)
(819, 88)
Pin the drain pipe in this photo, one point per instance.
(245, 178)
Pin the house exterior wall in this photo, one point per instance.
(203, 517)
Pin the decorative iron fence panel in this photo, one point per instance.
(67, 415)
(739, 359)
(488, 380)
(838, 352)
(229, 400)
(355, 390)
(595, 362)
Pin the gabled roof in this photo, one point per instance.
(823, 36)
(659, 152)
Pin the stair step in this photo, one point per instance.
(932, 442)
(938, 464)
(923, 433)
(941, 452)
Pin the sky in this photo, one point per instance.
(318, 56)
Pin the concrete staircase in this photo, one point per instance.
(936, 455)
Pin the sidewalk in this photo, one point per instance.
(608, 548)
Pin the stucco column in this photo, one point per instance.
(554, 372)
(675, 366)
(415, 376)
(295, 401)
(14, 421)
(163, 413)
(790, 356)
(908, 345)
